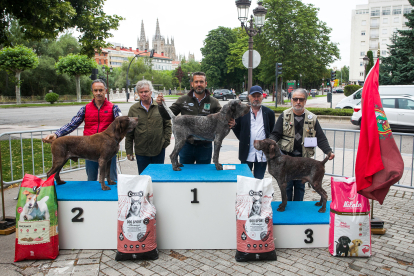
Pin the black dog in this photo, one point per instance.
(342, 246)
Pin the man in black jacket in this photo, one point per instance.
(255, 125)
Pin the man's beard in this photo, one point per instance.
(298, 108)
(201, 91)
(255, 103)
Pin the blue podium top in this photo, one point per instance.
(195, 173)
(299, 213)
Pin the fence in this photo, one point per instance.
(24, 152)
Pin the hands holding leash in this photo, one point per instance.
(160, 99)
(50, 138)
(232, 123)
(130, 157)
(332, 156)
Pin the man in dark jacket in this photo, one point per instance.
(255, 125)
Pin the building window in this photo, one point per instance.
(362, 54)
(394, 30)
(375, 11)
(383, 52)
(384, 31)
(407, 10)
(361, 74)
(361, 64)
(362, 11)
(396, 10)
(396, 19)
(374, 54)
(362, 43)
(385, 21)
(364, 22)
(384, 42)
(362, 32)
(386, 11)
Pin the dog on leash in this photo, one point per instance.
(213, 127)
(34, 209)
(285, 168)
(100, 147)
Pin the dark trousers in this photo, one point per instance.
(259, 168)
(296, 188)
(200, 153)
(144, 161)
(92, 170)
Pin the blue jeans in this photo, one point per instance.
(92, 170)
(259, 168)
(144, 161)
(299, 190)
(198, 153)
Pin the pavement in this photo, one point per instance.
(392, 253)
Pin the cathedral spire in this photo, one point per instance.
(142, 38)
(157, 30)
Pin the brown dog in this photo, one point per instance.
(100, 147)
(353, 249)
(285, 168)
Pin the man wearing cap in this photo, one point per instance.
(255, 125)
(297, 132)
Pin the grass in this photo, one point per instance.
(42, 104)
(17, 165)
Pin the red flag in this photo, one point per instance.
(379, 164)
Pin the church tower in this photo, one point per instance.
(159, 45)
(142, 42)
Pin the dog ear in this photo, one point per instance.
(272, 153)
(26, 192)
(231, 111)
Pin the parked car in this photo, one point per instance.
(243, 96)
(399, 111)
(339, 90)
(223, 94)
(314, 91)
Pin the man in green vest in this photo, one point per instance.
(297, 132)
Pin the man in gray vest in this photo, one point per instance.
(297, 132)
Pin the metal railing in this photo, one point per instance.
(25, 146)
(344, 143)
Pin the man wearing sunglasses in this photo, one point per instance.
(98, 115)
(297, 132)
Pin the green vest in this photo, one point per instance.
(287, 141)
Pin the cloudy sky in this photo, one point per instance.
(189, 21)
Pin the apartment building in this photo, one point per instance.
(372, 27)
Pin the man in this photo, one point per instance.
(295, 132)
(197, 102)
(98, 115)
(255, 125)
(152, 134)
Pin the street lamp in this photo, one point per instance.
(365, 60)
(259, 18)
(107, 79)
(127, 80)
(190, 76)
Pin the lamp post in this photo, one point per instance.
(190, 76)
(107, 79)
(259, 18)
(127, 80)
(365, 60)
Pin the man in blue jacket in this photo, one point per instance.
(255, 125)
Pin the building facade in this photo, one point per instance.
(372, 27)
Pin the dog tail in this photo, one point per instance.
(44, 199)
(168, 110)
(326, 159)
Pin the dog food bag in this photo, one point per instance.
(137, 236)
(254, 220)
(349, 221)
(36, 220)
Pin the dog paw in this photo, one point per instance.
(318, 203)
(110, 182)
(176, 169)
(281, 209)
(105, 188)
(322, 210)
(180, 165)
(25, 217)
(60, 182)
(219, 167)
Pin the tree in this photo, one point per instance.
(16, 60)
(215, 52)
(75, 65)
(398, 67)
(370, 62)
(179, 74)
(294, 36)
(234, 58)
(40, 19)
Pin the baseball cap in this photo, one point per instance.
(256, 89)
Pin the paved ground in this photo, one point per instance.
(393, 253)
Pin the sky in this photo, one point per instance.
(189, 21)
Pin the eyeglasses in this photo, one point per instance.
(298, 99)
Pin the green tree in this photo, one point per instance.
(75, 65)
(294, 36)
(40, 19)
(343, 74)
(234, 59)
(16, 60)
(215, 52)
(190, 66)
(370, 62)
(398, 67)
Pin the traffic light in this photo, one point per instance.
(328, 82)
(94, 73)
(333, 75)
(278, 69)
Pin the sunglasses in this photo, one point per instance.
(298, 99)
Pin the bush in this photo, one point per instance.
(51, 97)
(349, 89)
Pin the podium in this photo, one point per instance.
(195, 210)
